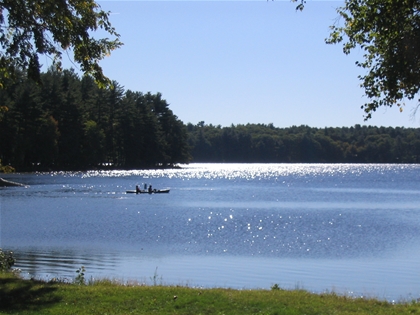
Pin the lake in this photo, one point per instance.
(350, 229)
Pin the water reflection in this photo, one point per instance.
(351, 277)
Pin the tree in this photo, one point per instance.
(388, 31)
(46, 141)
(29, 28)
(3, 109)
(94, 144)
(69, 114)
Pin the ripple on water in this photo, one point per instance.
(238, 225)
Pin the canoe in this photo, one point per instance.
(154, 191)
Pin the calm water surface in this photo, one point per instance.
(352, 229)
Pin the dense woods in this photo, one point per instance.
(68, 123)
(302, 144)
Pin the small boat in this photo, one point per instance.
(154, 191)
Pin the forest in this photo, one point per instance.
(68, 123)
(253, 143)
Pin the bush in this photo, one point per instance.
(6, 260)
(6, 168)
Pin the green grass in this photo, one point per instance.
(18, 296)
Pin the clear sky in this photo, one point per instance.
(238, 62)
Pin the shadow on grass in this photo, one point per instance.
(21, 295)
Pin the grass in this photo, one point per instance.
(19, 296)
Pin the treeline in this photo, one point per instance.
(68, 123)
(253, 143)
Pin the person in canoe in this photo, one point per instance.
(150, 189)
(138, 191)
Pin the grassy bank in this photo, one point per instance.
(18, 296)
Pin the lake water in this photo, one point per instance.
(351, 229)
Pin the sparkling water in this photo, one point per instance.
(351, 229)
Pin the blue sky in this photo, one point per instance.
(238, 62)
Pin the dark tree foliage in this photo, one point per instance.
(68, 123)
(388, 34)
(33, 28)
(259, 143)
